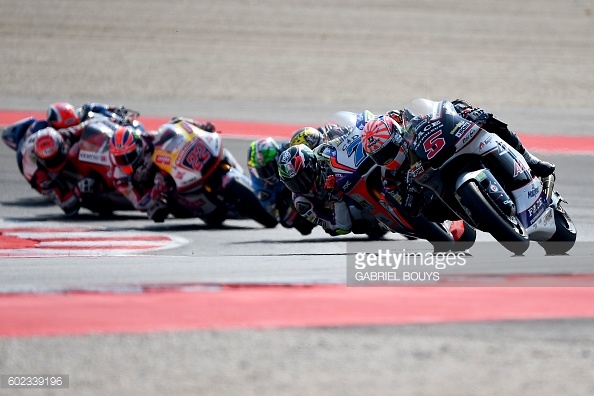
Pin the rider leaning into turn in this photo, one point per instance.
(272, 193)
(135, 174)
(314, 192)
(382, 140)
(50, 144)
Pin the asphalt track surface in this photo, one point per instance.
(197, 317)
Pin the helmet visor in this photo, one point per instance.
(55, 161)
(386, 154)
(268, 172)
(123, 160)
(302, 183)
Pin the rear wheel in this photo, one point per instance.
(507, 230)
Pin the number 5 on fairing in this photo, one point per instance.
(434, 144)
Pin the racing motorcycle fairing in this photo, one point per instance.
(14, 133)
(188, 154)
(359, 178)
(94, 143)
(448, 152)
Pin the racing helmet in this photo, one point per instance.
(62, 115)
(309, 136)
(50, 149)
(382, 141)
(263, 159)
(125, 149)
(298, 169)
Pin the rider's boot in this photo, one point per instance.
(539, 167)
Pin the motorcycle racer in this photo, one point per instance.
(47, 158)
(135, 174)
(272, 193)
(50, 163)
(314, 193)
(383, 142)
(62, 130)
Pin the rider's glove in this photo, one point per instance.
(389, 184)
(474, 114)
(208, 127)
(462, 106)
(330, 183)
(159, 187)
(478, 116)
(334, 194)
(119, 110)
(396, 115)
(43, 183)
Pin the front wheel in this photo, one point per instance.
(507, 230)
(248, 204)
(564, 237)
(435, 233)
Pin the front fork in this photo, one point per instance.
(489, 184)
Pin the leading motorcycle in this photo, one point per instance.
(484, 180)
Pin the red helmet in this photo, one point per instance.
(125, 147)
(50, 149)
(62, 115)
(382, 141)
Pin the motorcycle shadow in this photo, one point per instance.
(308, 240)
(140, 222)
(194, 227)
(81, 218)
(33, 202)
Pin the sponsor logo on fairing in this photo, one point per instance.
(94, 158)
(534, 192)
(416, 169)
(163, 159)
(518, 168)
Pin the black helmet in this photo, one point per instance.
(298, 169)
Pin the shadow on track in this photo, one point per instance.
(305, 240)
(37, 202)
